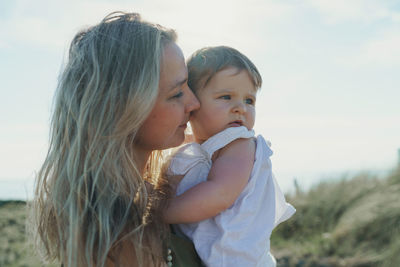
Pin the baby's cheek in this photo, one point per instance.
(252, 118)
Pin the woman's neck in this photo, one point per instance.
(141, 157)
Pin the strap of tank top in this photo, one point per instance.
(225, 137)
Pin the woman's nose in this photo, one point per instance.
(192, 102)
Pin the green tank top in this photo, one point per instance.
(183, 252)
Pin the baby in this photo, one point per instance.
(227, 201)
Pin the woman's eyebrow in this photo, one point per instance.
(178, 83)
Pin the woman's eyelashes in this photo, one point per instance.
(180, 91)
(177, 95)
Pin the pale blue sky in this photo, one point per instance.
(331, 93)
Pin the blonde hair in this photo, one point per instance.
(90, 196)
(206, 62)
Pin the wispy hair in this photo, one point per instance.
(90, 196)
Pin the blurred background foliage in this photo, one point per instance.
(16, 249)
(353, 221)
(350, 221)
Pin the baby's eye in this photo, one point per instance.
(250, 101)
(226, 97)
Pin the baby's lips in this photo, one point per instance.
(236, 124)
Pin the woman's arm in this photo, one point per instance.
(227, 178)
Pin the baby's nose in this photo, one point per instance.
(239, 107)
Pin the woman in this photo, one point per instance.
(121, 98)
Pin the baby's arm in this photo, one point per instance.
(227, 178)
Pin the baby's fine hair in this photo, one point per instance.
(206, 62)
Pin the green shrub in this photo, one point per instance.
(354, 221)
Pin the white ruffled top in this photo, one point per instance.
(240, 235)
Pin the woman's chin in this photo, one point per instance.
(178, 140)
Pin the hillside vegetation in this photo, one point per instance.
(15, 250)
(349, 222)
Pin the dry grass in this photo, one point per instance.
(15, 250)
(351, 222)
(354, 221)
